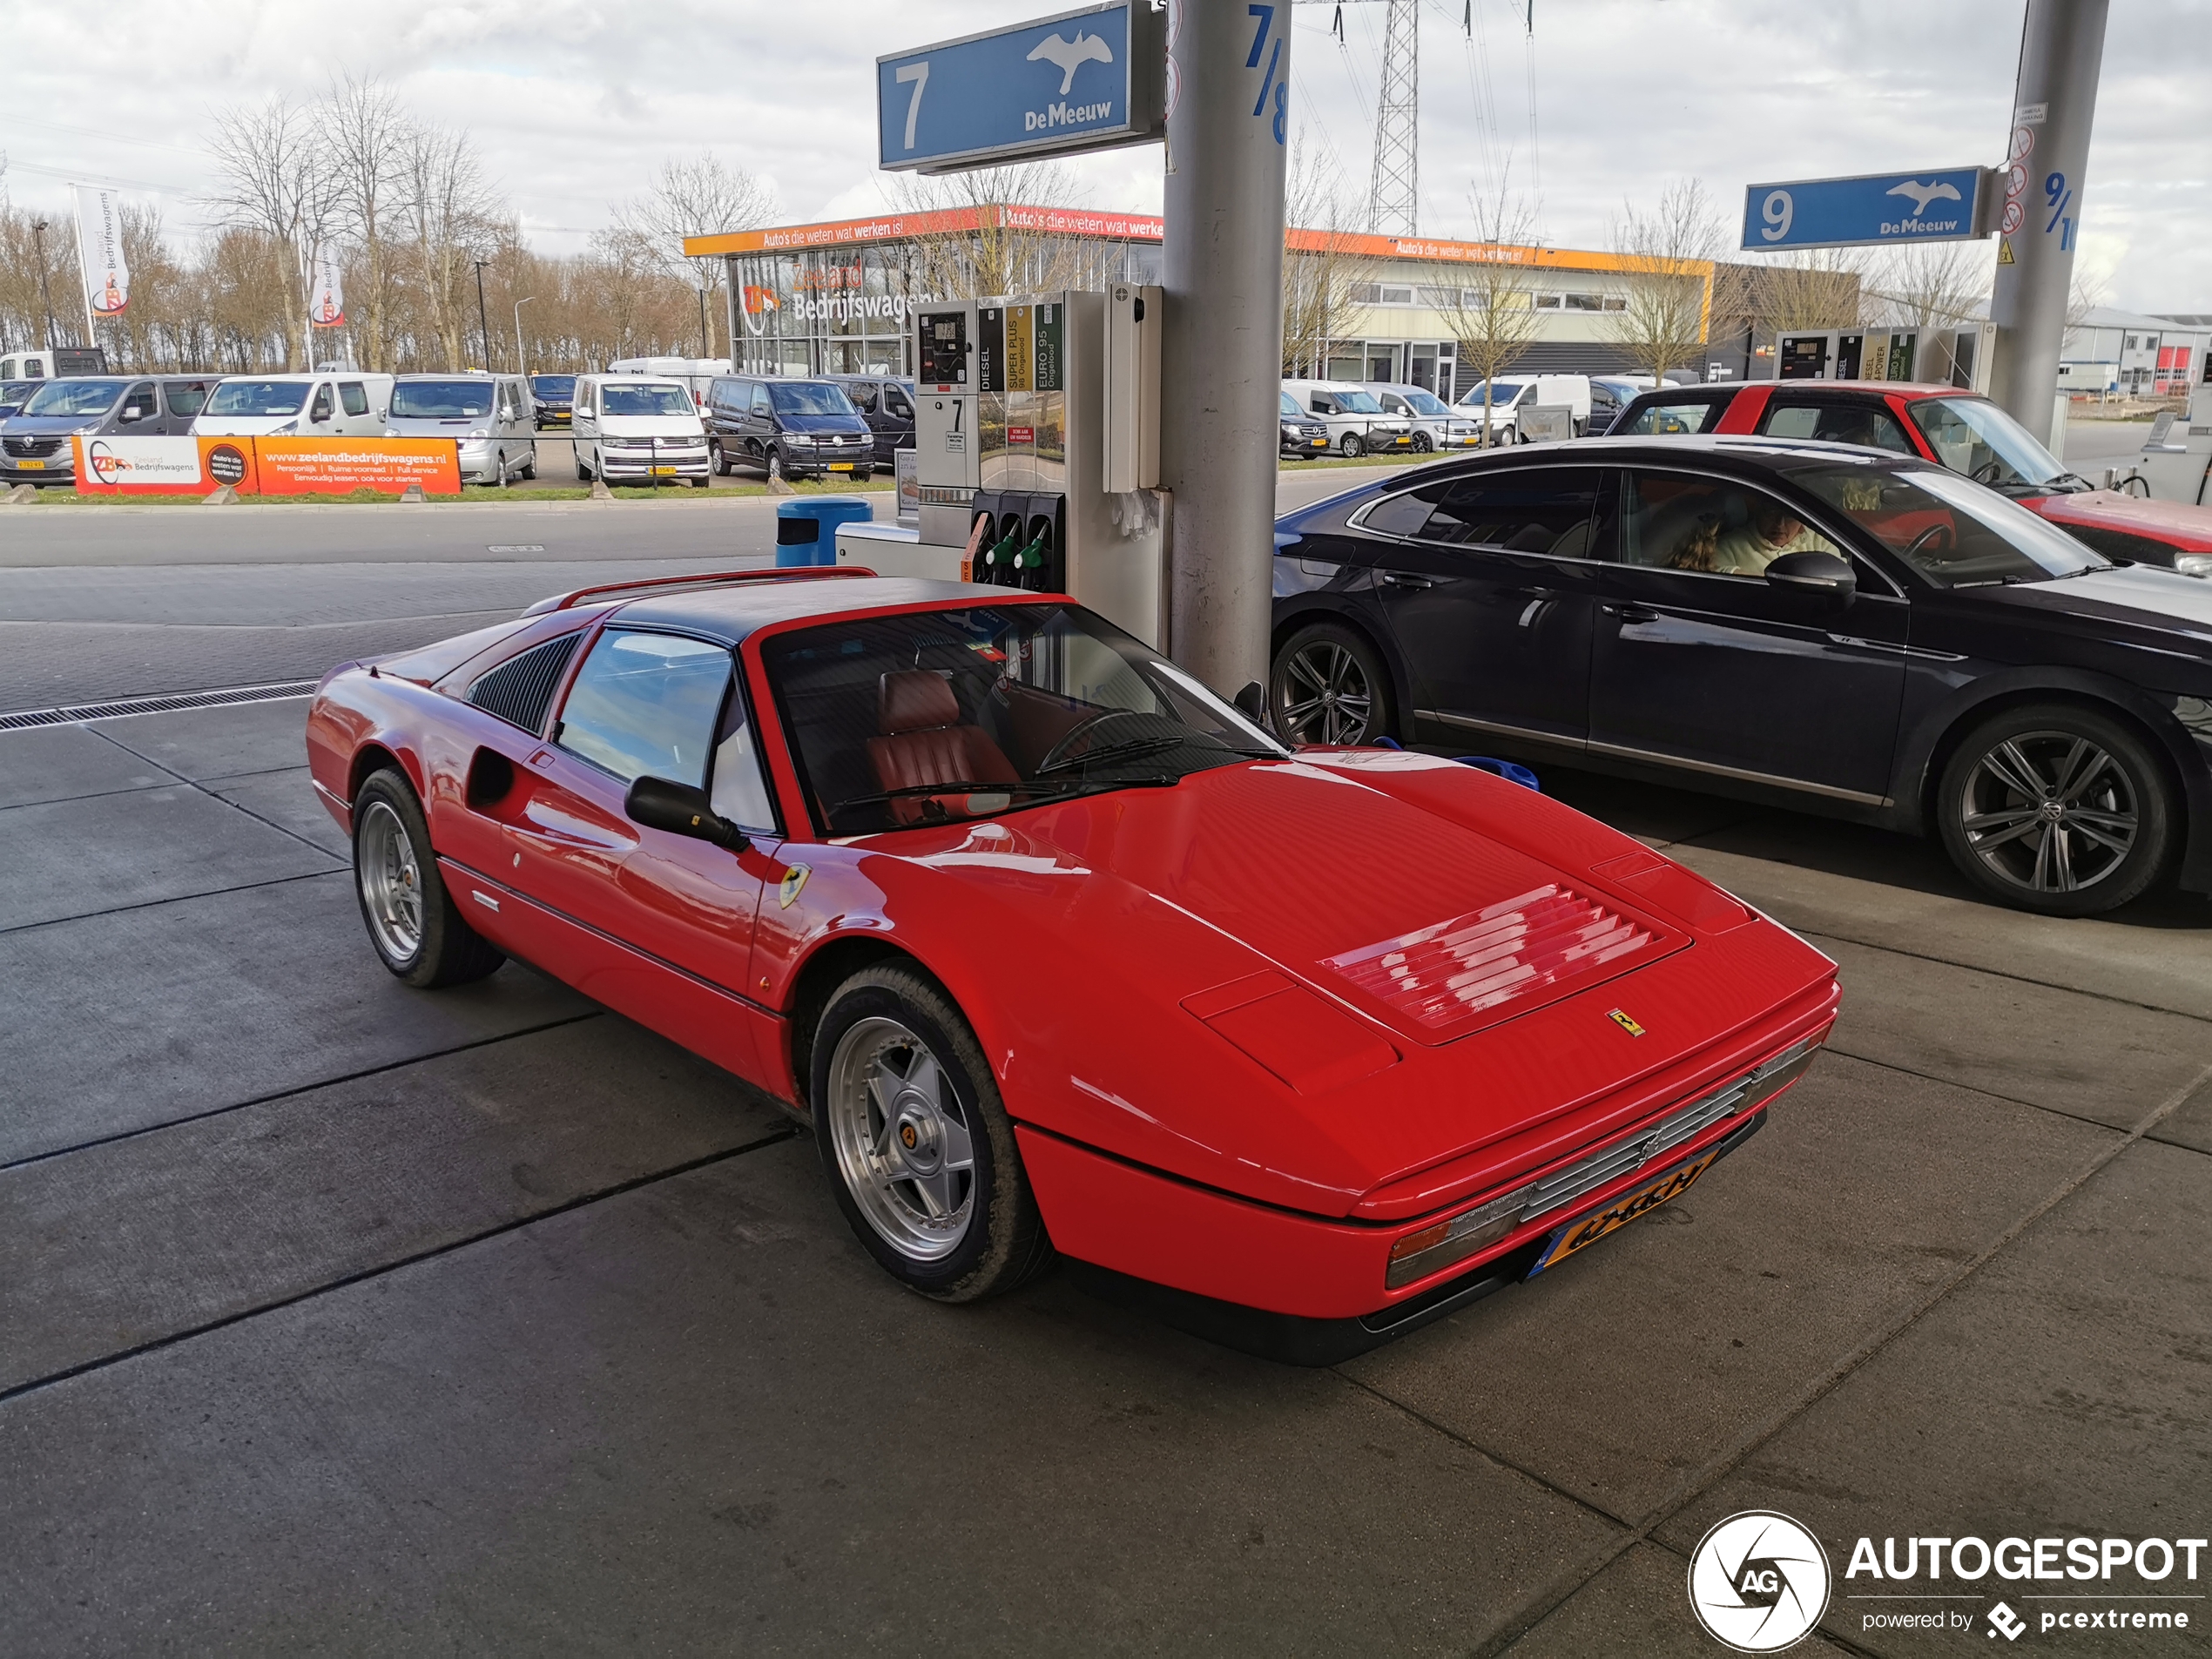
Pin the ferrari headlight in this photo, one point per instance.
(2193, 564)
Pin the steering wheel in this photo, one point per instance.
(1058, 756)
(1928, 535)
(1987, 472)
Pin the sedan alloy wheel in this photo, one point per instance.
(1328, 689)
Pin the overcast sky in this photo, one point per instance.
(574, 105)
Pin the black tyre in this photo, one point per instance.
(916, 1143)
(2058, 809)
(582, 472)
(412, 924)
(1329, 686)
(529, 467)
(771, 468)
(1422, 442)
(1350, 444)
(721, 458)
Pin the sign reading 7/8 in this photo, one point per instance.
(1272, 81)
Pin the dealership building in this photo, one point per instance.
(835, 298)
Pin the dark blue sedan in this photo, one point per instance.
(1805, 625)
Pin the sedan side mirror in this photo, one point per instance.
(1813, 573)
(659, 803)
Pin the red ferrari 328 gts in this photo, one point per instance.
(1060, 954)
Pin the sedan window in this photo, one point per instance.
(1952, 531)
(646, 705)
(1674, 522)
(1859, 423)
(1543, 510)
(185, 399)
(1669, 419)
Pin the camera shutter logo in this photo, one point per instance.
(1758, 1582)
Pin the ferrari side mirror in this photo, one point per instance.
(1251, 703)
(659, 803)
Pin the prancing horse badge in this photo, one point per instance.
(1624, 1022)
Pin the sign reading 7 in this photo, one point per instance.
(1271, 81)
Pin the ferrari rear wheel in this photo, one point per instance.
(416, 930)
(917, 1145)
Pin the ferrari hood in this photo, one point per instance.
(1421, 923)
(2190, 527)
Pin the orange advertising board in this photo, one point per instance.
(126, 466)
(339, 466)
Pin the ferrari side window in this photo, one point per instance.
(646, 705)
(737, 790)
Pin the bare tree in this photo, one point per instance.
(699, 197)
(1931, 285)
(1666, 252)
(1490, 306)
(450, 214)
(274, 177)
(367, 134)
(1820, 288)
(1322, 270)
(1009, 252)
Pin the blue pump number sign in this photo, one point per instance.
(1878, 208)
(1082, 80)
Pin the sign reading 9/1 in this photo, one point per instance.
(1889, 207)
(1082, 80)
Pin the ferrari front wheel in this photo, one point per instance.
(919, 1150)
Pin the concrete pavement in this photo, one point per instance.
(333, 1314)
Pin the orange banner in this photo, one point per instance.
(339, 466)
(121, 465)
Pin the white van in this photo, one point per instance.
(638, 428)
(347, 404)
(1353, 415)
(695, 372)
(491, 416)
(1570, 392)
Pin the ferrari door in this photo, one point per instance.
(1730, 675)
(656, 925)
(1488, 582)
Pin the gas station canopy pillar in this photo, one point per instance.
(2046, 157)
(1221, 370)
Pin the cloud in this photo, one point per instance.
(574, 105)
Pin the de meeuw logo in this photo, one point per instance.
(1758, 1582)
(1067, 56)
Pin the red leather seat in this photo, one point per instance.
(924, 741)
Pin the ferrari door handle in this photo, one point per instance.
(1400, 579)
(1630, 612)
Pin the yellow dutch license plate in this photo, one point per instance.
(840, 466)
(1320, 443)
(663, 472)
(1586, 1231)
(31, 466)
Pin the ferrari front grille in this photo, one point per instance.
(1494, 1218)
(1536, 941)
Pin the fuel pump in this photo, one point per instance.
(1036, 449)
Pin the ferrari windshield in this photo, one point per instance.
(1972, 436)
(1949, 529)
(938, 716)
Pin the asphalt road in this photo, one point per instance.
(98, 603)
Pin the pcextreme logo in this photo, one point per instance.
(1758, 1582)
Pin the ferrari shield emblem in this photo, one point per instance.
(792, 885)
(1624, 1022)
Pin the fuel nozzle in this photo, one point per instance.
(1029, 563)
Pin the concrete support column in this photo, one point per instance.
(1221, 367)
(2046, 161)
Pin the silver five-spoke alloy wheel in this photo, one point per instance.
(1329, 700)
(2051, 812)
(902, 1139)
(391, 880)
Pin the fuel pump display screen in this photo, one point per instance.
(944, 348)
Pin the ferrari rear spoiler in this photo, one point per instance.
(707, 578)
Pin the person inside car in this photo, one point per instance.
(1773, 531)
(1699, 548)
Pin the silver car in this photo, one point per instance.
(1436, 424)
(489, 416)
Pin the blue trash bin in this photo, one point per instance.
(1505, 769)
(806, 530)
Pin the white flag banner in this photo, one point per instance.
(326, 290)
(99, 251)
